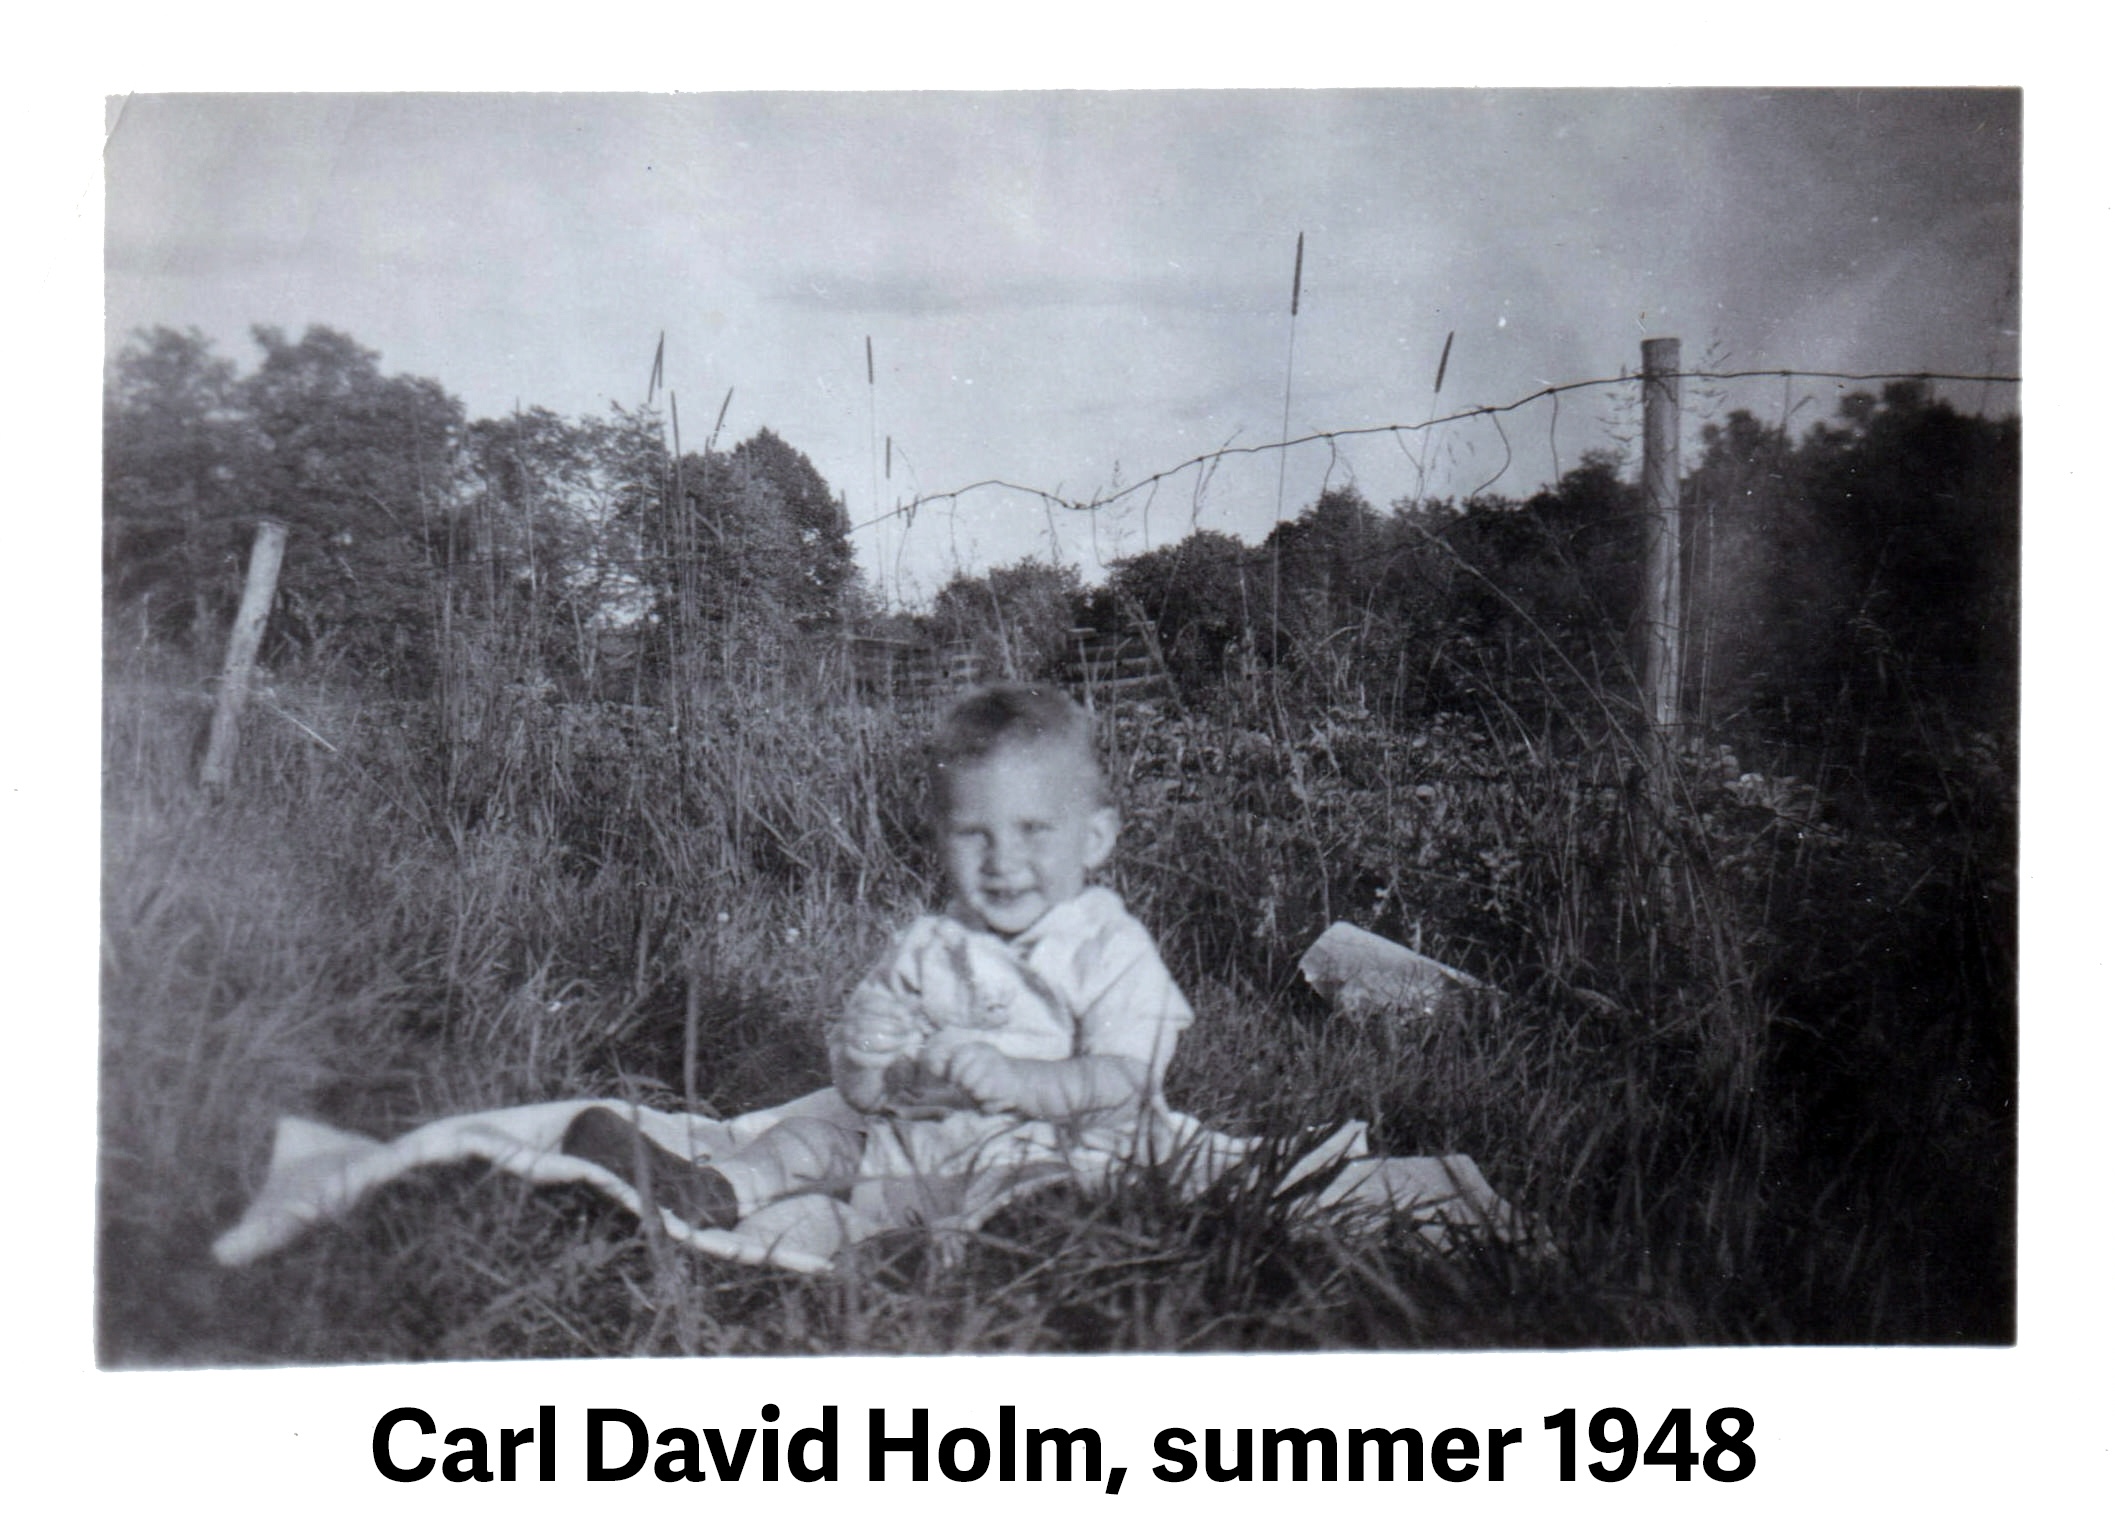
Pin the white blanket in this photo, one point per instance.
(318, 1173)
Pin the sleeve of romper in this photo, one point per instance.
(1130, 1005)
(882, 1019)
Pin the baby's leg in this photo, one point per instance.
(693, 1193)
(792, 1156)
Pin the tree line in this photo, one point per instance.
(1869, 565)
(1863, 573)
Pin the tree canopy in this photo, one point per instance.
(537, 533)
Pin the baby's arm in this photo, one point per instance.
(876, 1032)
(1127, 1036)
(881, 1057)
(1071, 1088)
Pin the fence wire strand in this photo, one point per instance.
(1209, 461)
(1103, 499)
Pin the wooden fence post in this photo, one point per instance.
(248, 633)
(1663, 545)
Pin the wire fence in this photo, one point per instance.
(907, 511)
(1550, 393)
(665, 601)
(682, 548)
(1707, 405)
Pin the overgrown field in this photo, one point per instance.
(1751, 1064)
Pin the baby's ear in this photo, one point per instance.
(1103, 825)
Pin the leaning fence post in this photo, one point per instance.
(219, 767)
(1663, 547)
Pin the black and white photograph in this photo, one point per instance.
(1058, 721)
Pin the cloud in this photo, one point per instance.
(930, 293)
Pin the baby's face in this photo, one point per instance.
(1021, 830)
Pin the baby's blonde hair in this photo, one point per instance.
(1013, 716)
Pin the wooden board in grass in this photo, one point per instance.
(1363, 975)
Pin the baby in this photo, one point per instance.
(1034, 996)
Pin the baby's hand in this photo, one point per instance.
(914, 1091)
(984, 1073)
(875, 1032)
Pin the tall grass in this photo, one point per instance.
(407, 910)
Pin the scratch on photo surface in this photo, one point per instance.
(115, 107)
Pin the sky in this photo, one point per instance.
(1071, 290)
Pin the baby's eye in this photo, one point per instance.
(1038, 826)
